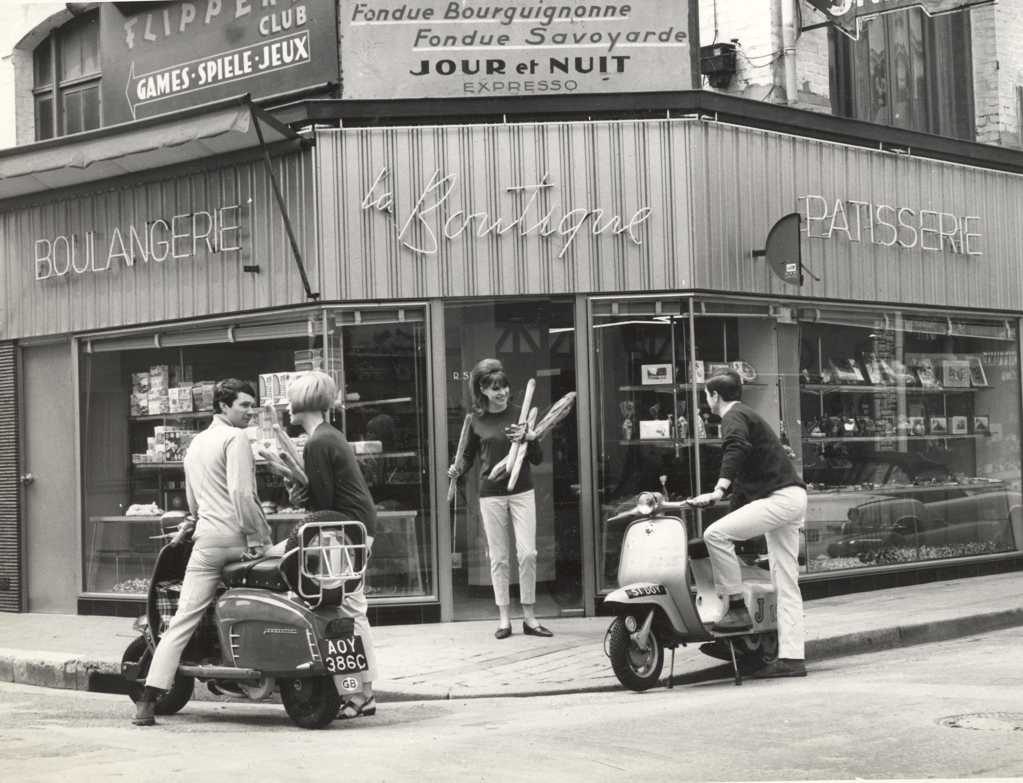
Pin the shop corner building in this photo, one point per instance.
(173, 215)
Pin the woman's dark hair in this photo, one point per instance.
(728, 385)
(487, 373)
(227, 391)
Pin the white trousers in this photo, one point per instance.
(778, 518)
(520, 511)
(198, 589)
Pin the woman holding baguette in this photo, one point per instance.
(495, 427)
(335, 484)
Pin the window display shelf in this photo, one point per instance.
(842, 388)
(165, 416)
(808, 439)
(667, 441)
(389, 454)
(368, 403)
(666, 388)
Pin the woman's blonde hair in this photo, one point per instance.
(312, 393)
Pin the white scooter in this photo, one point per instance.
(667, 598)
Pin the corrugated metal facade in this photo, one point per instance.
(619, 167)
(201, 284)
(11, 575)
(714, 192)
(746, 179)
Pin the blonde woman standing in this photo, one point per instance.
(494, 428)
(336, 483)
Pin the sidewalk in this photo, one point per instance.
(464, 660)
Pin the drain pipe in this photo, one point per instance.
(788, 46)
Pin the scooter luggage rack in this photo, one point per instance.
(337, 560)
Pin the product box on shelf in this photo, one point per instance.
(140, 383)
(202, 395)
(139, 403)
(180, 399)
(367, 446)
(159, 377)
(273, 386)
(158, 402)
(654, 428)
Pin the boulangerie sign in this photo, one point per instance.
(846, 15)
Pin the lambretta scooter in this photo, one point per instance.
(274, 626)
(667, 598)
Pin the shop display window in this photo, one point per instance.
(909, 438)
(655, 430)
(141, 407)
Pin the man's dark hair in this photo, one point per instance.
(227, 391)
(728, 385)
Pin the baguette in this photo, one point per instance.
(521, 453)
(527, 400)
(463, 441)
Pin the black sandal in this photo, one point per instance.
(365, 709)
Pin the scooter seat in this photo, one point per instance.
(263, 574)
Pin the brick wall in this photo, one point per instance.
(997, 41)
(760, 65)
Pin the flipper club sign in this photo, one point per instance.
(846, 15)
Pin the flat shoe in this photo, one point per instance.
(502, 633)
(350, 709)
(538, 631)
(782, 667)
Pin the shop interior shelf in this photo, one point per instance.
(666, 388)
(667, 442)
(809, 439)
(390, 454)
(836, 387)
(165, 416)
(368, 403)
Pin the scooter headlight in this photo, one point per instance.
(630, 623)
(649, 502)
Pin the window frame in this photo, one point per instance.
(56, 88)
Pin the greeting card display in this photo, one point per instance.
(977, 375)
(955, 373)
(958, 425)
(939, 426)
(653, 374)
(845, 371)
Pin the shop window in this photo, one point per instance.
(907, 70)
(66, 78)
(141, 406)
(910, 438)
(655, 430)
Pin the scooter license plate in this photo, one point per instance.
(344, 656)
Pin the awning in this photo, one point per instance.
(171, 139)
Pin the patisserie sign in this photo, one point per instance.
(887, 225)
(189, 235)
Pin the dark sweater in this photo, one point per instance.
(487, 439)
(335, 481)
(753, 458)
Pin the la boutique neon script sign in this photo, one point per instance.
(431, 208)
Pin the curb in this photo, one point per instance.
(64, 671)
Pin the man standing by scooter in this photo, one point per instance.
(220, 482)
(769, 499)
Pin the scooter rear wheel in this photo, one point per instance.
(636, 669)
(173, 700)
(311, 702)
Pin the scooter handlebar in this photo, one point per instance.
(650, 505)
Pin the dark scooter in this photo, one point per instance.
(667, 598)
(274, 627)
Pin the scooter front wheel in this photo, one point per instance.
(138, 654)
(636, 669)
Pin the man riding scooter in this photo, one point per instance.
(769, 499)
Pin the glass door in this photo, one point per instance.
(533, 339)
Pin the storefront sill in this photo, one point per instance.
(870, 571)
